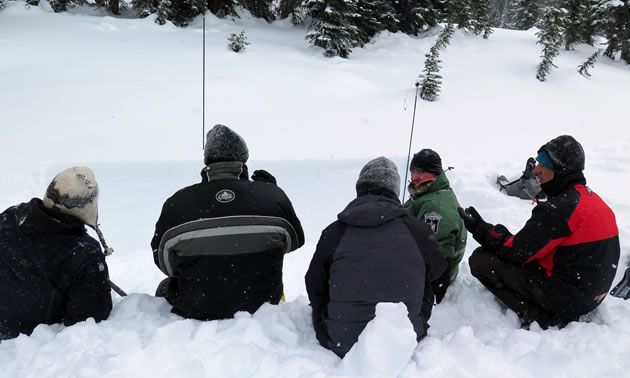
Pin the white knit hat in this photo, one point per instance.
(74, 192)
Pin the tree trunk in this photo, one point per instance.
(114, 6)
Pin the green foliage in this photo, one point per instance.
(550, 37)
(431, 79)
(615, 16)
(238, 41)
(332, 27)
(590, 63)
(526, 14)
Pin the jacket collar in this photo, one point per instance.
(562, 182)
(234, 170)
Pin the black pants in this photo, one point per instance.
(522, 288)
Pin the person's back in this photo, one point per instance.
(213, 239)
(51, 270)
(374, 252)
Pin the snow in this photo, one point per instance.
(123, 97)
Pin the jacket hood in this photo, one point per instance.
(371, 210)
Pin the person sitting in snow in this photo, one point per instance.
(51, 270)
(434, 202)
(374, 252)
(221, 242)
(562, 263)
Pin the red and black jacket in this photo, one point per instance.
(573, 236)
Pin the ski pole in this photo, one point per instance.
(413, 121)
(203, 80)
(108, 251)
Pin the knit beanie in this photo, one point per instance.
(378, 174)
(565, 153)
(427, 160)
(74, 191)
(223, 144)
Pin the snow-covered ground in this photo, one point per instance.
(123, 96)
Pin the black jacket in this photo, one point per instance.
(572, 238)
(224, 269)
(375, 252)
(51, 270)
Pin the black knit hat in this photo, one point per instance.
(379, 174)
(566, 154)
(427, 160)
(224, 144)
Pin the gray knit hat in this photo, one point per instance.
(74, 191)
(224, 144)
(378, 174)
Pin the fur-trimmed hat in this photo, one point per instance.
(224, 144)
(566, 154)
(427, 160)
(74, 191)
(378, 174)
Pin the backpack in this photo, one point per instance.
(524, 187)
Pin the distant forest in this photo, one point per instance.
(338, 26)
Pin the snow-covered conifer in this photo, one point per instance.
(550, 37)
(590, 63)
(332, 28)
(576, 11)
(238, 41)
(615, 15)
(526, 14)
(374, 16)
(431, 79)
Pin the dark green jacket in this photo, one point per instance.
(438, 207)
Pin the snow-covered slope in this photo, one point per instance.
(123, 96)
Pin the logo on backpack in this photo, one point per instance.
(225, 196)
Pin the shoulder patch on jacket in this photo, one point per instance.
(433, 220)
(225, 196)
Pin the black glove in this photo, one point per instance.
(263, 176)
(472, 219)
(440, 285)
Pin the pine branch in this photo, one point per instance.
(590, 63)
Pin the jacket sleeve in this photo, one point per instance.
(318, 272)
(89, 294)
(291, 217)
(437, 274)
(161, 227)
(545, 230)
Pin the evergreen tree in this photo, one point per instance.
(550, 37)
(574, 21)
(59, 5)
(526, 14)
(290, 8)
(222, 8)
(481, 23)
(590, 63)
(374, 16)
(238, 41)
(144, 7)
(460, 13)
(431, 79)
(590, 22)
(111, 5)
(415, 16)
(259, 8)
(616, 26)
(331, 27)
(2, 4)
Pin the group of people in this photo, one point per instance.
(221, 244)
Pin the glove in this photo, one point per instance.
(472, 219)
(263, 176)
